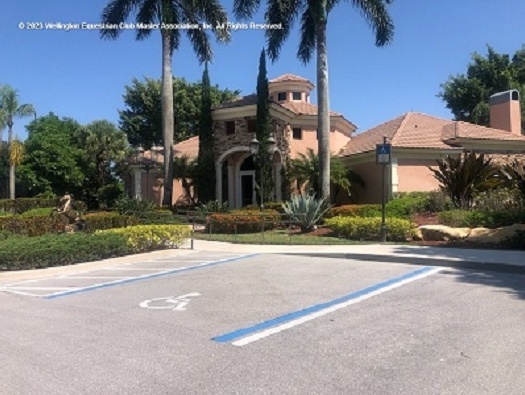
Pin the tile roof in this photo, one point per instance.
(189, 147)
(289, 77)
(301, 108)
(298, 108)
(239, 102)
(416, 130)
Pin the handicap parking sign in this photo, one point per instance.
(383, 154)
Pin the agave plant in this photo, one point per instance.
(461, 178)
(307, 210)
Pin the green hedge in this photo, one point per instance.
(368, 228)
(20, 253)
(39, 225)
(241, 221)
(108, 220)
(28, 226)
(21, 205)
(478, 219)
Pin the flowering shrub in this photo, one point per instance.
(368, 228)
(143, 238)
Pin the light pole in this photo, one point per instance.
(263, 157)
(146, 163)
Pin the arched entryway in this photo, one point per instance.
(235, 174)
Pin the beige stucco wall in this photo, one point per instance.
(414, 175)
(371, 174)
(309, 140)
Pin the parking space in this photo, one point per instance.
(220, 323)
(87, 280)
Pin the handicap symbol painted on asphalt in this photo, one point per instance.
(177, 303)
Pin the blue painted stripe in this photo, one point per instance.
(312, 309)
(149, 276)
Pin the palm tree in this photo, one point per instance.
(314, 19)
(12, 109)
(305, 171)
(105, 145)
(16, 155)
(186, 170)
(167, 14)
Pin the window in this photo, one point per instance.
(230, 127)
(297, 134)
(252, 126)
(281, 96)
(296, 95)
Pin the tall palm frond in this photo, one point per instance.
(166, 13)
(313, 15)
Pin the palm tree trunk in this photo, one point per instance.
(12, 168)
(323, 115)
(167, 117)
(11, 165)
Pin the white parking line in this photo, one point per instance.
(40, 288)
(112, 279)
(99, 277)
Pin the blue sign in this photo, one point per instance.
(383, 154)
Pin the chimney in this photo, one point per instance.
(505, 111)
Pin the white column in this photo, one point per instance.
(218, 182)
(231, 186)
(137, 173)
(394, 179)
(278, 181)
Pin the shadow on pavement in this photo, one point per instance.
(512, 284)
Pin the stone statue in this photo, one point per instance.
(66, 219)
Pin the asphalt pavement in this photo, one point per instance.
(240, 319)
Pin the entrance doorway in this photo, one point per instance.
(247, 187)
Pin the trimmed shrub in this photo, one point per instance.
(368, 228)
(160, 216)
(241, 221)
(21, 205)
(20, 253)
(28, 226)
(454, 218)
(404, 207)
(108, 220)
(355, 210)
(38, 212)
(477, 219)
(142, 238)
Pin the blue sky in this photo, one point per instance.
(78, 75)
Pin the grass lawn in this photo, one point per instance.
(277, 237)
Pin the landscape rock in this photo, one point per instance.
(443, 233)
(494, 236)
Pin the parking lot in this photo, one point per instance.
(209, 322)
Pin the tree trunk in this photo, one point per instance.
(11, 166)
(167, 117)
(323, 114)
(12, 179)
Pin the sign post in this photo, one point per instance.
(383, 158)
